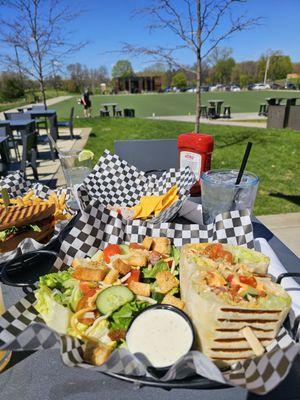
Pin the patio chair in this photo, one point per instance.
(68, 124)
(5, 130)
(227, 112)
(29, 152)
(40, 122)
(16, 115)
(133, 151)
(104, 113)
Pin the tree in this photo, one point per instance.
(10, 86)
(122, 69)
(244, 80)
(38, 31)
(179, 80)
(279, 65)
(196, 26)
(223, 70)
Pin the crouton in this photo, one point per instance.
(112, 276)
(122, 267)
(166, 281)
(96, 352)
(173, 301)
(137, 259)
(162, 245)
(139, 288)
(147, 242)
(89, 274)
(85, 263)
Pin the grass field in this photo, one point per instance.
(21, 102)
(173, 103)
(274, 156)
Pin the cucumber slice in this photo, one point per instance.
(124, 248)
(112, 298)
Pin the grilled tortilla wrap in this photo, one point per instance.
(220, 305)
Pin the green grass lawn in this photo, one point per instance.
(274, 156)
(50, 93)
(173, 103)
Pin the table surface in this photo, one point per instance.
(216, 101)
(18, 123)
(40, 113)
(109, 104)
(42, 375)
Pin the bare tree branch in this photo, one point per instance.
(197, 25)
(38, 30)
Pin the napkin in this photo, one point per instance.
(275, 269)
(192, 211)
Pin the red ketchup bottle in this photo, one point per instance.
(195, 151)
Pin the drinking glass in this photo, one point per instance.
(220, 193)
(75, 170)
(4, 354)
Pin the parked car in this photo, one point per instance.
(250, 86)
(235, 88)
(204, 89)
(290, 86)
(191, 90)
(275, 86)
(261, 86)
(217, 88)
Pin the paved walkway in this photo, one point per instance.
(286, 227)
(50, 172)
(49, 102)
(238, 117)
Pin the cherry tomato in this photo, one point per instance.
(135, 276)
(230, 278)
(248, 280)
(213, 250)
(111, 250)
(226, 255)
(136, 246)
(85, 287)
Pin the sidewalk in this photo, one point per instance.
(238, 117)
(49, 102)
(50, 172)
(286, 227)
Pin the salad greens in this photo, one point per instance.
(121, 318)
(158, 267)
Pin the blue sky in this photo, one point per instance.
(106, 24)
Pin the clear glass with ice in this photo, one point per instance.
(75, 170)
(220, 193)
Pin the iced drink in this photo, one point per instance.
(220, 193)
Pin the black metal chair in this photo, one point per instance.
(5, 129)
(4, 151)
(118, 112)
(203, 111)
(68, 124)
(29, 151)
(40, 122)
(227, 112)
(16, 115)
(104, 113)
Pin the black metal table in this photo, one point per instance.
(18, 124)
(40, 113)
(43, 375)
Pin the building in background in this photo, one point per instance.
(137, 84)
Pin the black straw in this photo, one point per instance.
(244, 162)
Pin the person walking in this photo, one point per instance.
(87, 104)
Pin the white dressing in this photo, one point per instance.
(161, 335)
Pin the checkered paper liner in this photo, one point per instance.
(17, 185)
(116, 183)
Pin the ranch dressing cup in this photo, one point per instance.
(220, 193)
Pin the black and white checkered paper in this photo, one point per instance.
(17, 185)
(21, 328)
(116, 183)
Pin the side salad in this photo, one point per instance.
(96, 298)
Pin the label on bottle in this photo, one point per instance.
(192, 160)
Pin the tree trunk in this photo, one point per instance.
(198, 71)
(198, 94)
(43, 91)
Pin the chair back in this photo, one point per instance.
(71, 116)
(16, 115)
(29, 150)
(37, 108)
(159, 156)
(53, 127)
(3, 131)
